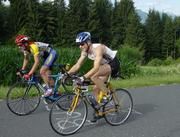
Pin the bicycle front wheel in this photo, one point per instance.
(65, 101)
(65, 122)
(119, 108)
(23, 98)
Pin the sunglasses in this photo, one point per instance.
(81, 44)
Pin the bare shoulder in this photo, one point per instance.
(100, 48)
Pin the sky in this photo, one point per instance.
(167, 6)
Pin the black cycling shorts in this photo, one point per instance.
(115, 67)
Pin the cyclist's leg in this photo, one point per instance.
(100, 77)
(45, 70)
(96, 90)
(47, 67)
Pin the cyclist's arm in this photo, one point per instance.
(25, 61)
(35, 65)
(99, 55)
(78, 64)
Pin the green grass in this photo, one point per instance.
(3, 92)
(143, 81)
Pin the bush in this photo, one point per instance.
(12, 59)
(168, 61)
(155, 62)
(129, 57)
(72, 57)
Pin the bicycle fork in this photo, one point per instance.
(74, 102)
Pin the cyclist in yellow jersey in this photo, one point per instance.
(38, 49)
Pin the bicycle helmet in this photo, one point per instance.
(83, 37)
(21, 39)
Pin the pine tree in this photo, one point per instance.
(134, 33)
(120, 20)
(61, 24)
(47, 22)
(18, 15)
(4, 27)
(32, 19)
(100, 21)
(168, 39)
(76, 19)
(153, 36)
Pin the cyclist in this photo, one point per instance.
(105, 63)
(38, 49)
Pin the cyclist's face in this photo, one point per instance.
(22, 46)
(83, 46)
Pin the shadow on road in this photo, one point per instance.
(141, 110)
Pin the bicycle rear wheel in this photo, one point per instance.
(23, 98)
(119, 108)
(64, 122)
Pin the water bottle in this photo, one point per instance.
(102, 98)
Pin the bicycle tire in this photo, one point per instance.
(64, 101)
(66, 123)
(119, 108)
(23, 98)
(67, 84)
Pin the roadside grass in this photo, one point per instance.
(144, 81)
(3, 92)
(148, 76)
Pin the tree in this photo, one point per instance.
(177, 46)
(134, 33)
(18, 15)
(100, 21)
(153, 36)
(4, 27)
(76, 19)
(47, 21)
(61, 23)
(168, 39)
(120, 20)
(32, 19)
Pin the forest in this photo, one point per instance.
(115, 25)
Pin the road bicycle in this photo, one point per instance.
(24, 96)
(115, 110)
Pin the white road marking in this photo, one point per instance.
(136, 112)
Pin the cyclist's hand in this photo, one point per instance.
(26, 76)
(21, 72)
(80, 80)
(18, 73)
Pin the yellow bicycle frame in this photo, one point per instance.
(75, 100)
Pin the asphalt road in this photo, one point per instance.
(156, 114)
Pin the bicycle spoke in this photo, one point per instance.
(65, 122)
(122, 105)
(22, 98)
